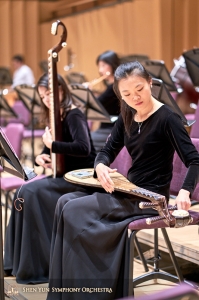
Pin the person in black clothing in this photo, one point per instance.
(107, 63)
(28, 236)
(88, 252)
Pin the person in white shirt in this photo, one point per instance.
(22, 73)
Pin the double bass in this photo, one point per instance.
(58, 164)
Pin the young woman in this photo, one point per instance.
(28, 236)
(88, 252)
(107, 63)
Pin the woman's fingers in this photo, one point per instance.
(106, 182)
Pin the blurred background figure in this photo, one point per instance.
(22, 73)
(107, 63)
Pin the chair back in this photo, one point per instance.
(179, 173)
(122, 162)
(24, 116)
(14, 133)
(194, 133)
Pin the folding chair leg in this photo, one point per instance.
(6, 212)
(157, 274)
(140, 253)
(128, 266)
(172, 255)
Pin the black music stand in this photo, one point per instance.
(133, 57)
(75, 78)
(157, 69)
(30, 98)
(162, 94)
(90, 106)
(11, 164)
(6, 110)
(192, 64)
(5, 77)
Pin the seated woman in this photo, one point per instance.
(28, 236)
(87, 251)
(107, 63)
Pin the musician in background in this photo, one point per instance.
(88, 251)
(22, 73)
(28, 236)
(107, 63)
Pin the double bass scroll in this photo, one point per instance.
(58, 164)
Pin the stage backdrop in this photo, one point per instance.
(161, 29)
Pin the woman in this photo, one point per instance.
(27, 244)
(88, 252)
(107, 63)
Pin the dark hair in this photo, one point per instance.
(67, 98)
(125, 70)
(109, 57)
(18, 57)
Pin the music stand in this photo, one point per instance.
(90, 106)
(133, 57)
(76, 78)
(162, 94)
(5, 77)
(30, 98)
(192, 64)
(6, 110)
(157, 69)
(11, 164)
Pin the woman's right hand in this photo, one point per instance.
(43, 160)
(104, 177)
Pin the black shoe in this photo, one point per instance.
(7, 273)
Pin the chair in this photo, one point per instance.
(179, 292)
(135, 226)
(14, 133)
(22, 112)
(122, 162)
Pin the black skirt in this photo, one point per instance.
(28, 236)
(88, 245)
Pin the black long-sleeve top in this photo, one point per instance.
(111, 103)
(152, 151)
(77, 145)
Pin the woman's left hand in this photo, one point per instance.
(47, 138)
(183, 200)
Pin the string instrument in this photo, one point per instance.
(178, 218)
(96, 81)
(58, 164)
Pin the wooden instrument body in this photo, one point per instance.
(122, 184)
(58, 162)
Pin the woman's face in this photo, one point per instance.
(44, 94)
(104, 68)
(135, 91)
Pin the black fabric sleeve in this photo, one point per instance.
(113, 145)
(185, 149)
(80, 144)
(191, 179)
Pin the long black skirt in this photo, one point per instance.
(28, 235)
(88, 245)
